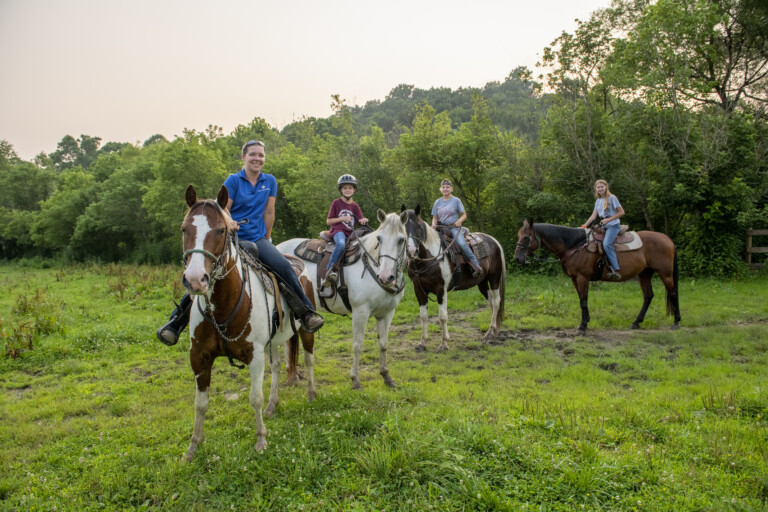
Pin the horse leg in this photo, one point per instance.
(256, 397)
(202, 373)
(274, 365)
(423, 299)
(308, 342)
(383, 324)
(582, 288)
(645, 284)
(359, 321)
(442, 309)
(673, 301)
(494, 302)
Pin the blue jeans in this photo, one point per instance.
(458, 235)
(274, 259)
(611, 232)
(340, 239)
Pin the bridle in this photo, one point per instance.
(399, 265)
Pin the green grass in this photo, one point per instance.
(97, 413)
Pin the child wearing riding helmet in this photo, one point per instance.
(341, 217)
(608, 208)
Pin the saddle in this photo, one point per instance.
(625, 241)
(319, 251)
(475, 241)
(265, 274)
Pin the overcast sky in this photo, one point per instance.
(125, 70)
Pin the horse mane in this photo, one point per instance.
(213, 204)
(370, 241)
(433, 238)
(561, 235)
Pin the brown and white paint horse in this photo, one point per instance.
(375, 283)
(431, 272)
(231, 295)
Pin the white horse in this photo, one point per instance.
(375, 284)
(231, 313)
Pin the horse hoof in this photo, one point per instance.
(581, 332)
(311, 396)
(270, 410)
(635, 326)
(421, 348)
(442, 348)
(260, 445)
(291, 381)
(356, 384)
(675, 327)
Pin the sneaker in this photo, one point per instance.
(331, 278)
(311, 322)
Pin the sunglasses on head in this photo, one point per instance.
(252, 143)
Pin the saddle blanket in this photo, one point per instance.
(628, 241)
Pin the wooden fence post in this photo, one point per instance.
(755, 250)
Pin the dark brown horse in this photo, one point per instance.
(657, 254)
(431, 272)
(233, 313)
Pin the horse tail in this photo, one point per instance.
(292, 357)
(503, 284)
(675, 280)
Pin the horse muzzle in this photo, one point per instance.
(196, 286)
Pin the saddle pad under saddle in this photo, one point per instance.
(265, 276)
(628, 241)
(476, 242)
(314, 250)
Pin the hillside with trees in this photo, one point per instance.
(665, 99)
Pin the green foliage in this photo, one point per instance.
(97, 415)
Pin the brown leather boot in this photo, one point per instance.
(476, 269)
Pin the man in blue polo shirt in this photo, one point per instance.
(252, 195)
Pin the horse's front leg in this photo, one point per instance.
(274, 364)
(256, 397)
(442, 309)
(202, 371)
(582, 288)
(424, 317)
(383, 324)
(359, 321)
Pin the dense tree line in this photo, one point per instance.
(665, 99)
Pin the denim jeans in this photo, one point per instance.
(611, 232)
(274, 259)
(340, 239)
(458, 235)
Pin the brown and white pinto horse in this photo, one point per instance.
(232, 313)
(657, 255)
(431, 272)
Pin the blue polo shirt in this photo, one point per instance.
(249, 202)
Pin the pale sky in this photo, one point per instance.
(124, 70)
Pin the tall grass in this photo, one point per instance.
(95, 413)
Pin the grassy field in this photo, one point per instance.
(95, 413)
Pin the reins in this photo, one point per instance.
(399, 265)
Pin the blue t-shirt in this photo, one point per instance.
(613, 209)
(448, 212)
(250, 202)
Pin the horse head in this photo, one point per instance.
(416, 229)
(205, 240)
(527, 242)
(391, 243)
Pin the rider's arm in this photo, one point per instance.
(619, 214)
(269, 216)
(461, 219)
(434, 221)
(590, 219)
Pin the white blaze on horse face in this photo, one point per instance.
(195, 271)
(413, 246)
(390, 252)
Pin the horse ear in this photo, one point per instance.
(223, 197)
(191, 196)
(404, 217)
(402, 208)
(417, 210)
(381, 215)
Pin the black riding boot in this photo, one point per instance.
(310, 320)
(169, 333)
